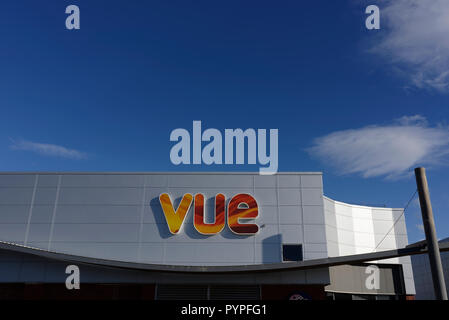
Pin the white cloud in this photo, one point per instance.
(420, 227)
(415, 38)
(47, 149)
(413, 120)
(388, 150)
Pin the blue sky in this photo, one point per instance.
(363, 106)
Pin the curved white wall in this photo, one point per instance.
(354, 229)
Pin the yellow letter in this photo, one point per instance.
(175, 219)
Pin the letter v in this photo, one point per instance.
(175, 219)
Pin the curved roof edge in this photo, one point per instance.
(152, 172)
(308, 264)
(360, 206)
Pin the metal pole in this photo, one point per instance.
(431, 236)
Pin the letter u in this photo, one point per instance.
(198, 221)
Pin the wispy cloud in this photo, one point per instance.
(414, 38)
(384, 150)
(420, 227)
(47, 149)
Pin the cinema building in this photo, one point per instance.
(193, 236)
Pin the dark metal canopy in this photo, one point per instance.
(418, 248)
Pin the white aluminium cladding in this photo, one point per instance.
(353, 229)
(118, 216)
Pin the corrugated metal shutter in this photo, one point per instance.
(234, 293)
(181, 292)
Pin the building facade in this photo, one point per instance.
(423, 275)
(114, 227)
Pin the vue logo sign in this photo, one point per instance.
(241, 206)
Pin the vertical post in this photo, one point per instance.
(431, 237)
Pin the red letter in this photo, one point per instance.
(242, 206)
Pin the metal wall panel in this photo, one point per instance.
(352, 279)
(118, 216)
